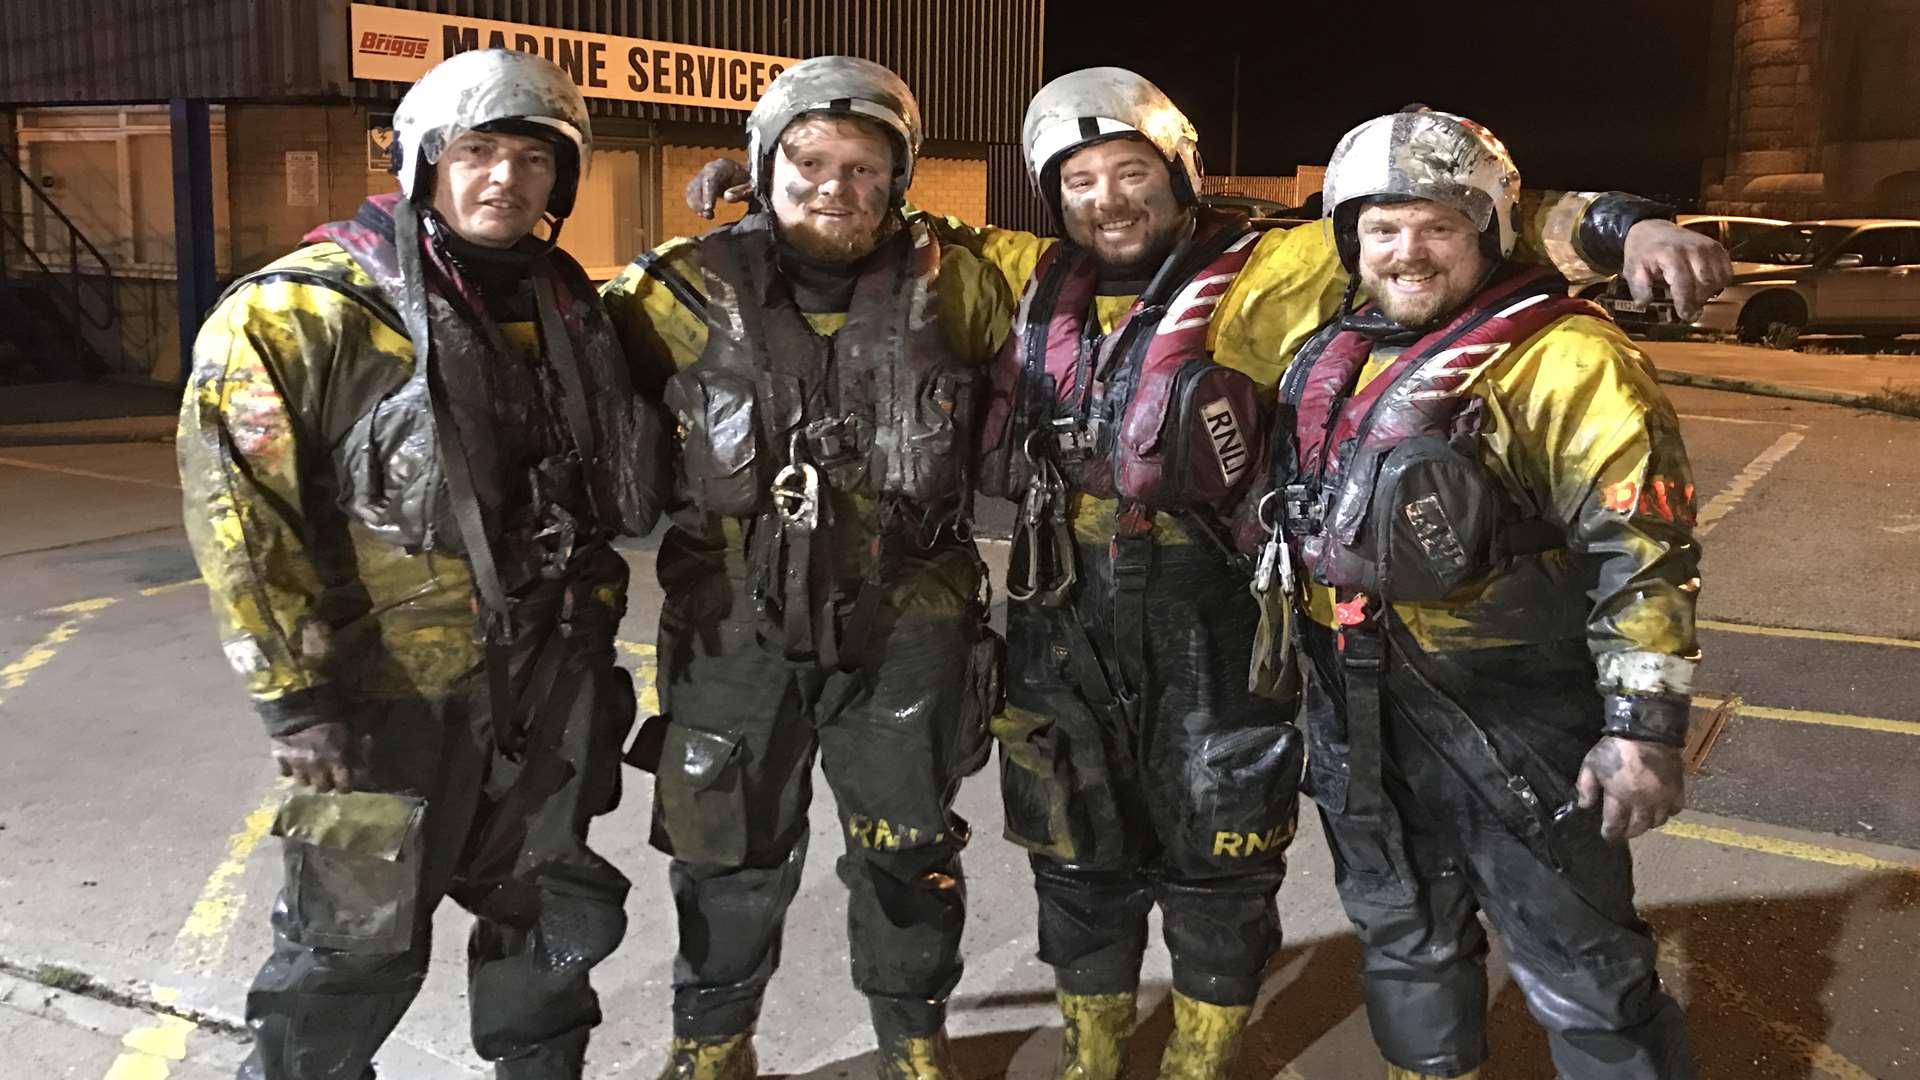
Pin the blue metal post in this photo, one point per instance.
(192, 219)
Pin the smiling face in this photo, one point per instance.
(833, 187)
(1419, 260)
(492, 187)
(1117, 201)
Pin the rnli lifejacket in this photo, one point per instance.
(1386, 494)
(393, 465)
(882, 408)
(1143, 413)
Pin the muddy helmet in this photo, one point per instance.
(1093, 105)
(835, 86)
(1423, 154)
(492, 90)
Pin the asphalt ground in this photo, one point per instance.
(135, 789)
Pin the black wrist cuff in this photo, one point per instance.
(1602, 234)
(1647, 719)
(298, 711)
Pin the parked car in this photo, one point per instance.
(1656, 318)
(1844, 276)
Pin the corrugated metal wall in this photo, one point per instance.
(973, 63)
(1011, 201)
(112, 51)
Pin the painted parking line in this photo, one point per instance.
(1789, 849)
(1810, 716)
(1810, 635)
(40, 653)
(151, 1049)
(1723, 504)
(1743, 420)
(17, 463)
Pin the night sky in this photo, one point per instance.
(1600, 94)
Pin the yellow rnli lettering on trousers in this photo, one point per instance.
(1241, 845)
(879, 833)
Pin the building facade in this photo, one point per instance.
(1813, 108)
(294, 102)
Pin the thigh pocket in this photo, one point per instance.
(1244, 788)
(986, 697)
(700, 800)
(353, 868)
(1054, 808)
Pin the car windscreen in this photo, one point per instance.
(1791, 245)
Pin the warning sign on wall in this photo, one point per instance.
(400, 46)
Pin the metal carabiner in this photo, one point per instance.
(796, 496)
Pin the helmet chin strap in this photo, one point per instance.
(462, 250)
(1375, 324)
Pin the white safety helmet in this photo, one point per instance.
(492, 90)
(1093, 105)
(837, 86)
(1423, 154)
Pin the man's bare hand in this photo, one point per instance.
(320, 756)
(1693, 267)
(721, 179)
(1638, 785)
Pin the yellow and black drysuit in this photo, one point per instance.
(380, 440)
(1137, 766)
(822, 596)
(1493, 517)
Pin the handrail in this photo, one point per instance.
(78, 286)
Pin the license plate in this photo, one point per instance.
(1634, 306)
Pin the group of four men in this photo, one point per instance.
(407, 447)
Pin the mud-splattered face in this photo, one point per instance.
(832, 187)
(492, 187)
(1419, 260)
(1117, 201)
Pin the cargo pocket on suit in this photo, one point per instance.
(1051, 807)
(353, 868)
(700, 799)
(1245, 787)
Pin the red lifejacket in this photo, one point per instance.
(1143, 413)
(1388, 474)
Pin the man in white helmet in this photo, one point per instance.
(823, 596)
(1141, 763)
(404, 450)
(1486, 496)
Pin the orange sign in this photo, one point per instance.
(399, 46)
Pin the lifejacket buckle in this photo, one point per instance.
(833, 441)
(796, 496)
(1072, 443)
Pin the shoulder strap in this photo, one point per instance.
(651, 264)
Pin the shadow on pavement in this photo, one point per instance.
(1754, 975)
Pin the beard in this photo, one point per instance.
(840, 242)
(1413, 311)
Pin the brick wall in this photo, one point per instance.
(956, 186)
(264, 227)
(677, 166)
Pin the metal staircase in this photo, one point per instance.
(49, 306)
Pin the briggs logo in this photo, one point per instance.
(407, 48)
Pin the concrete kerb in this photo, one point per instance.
(1777, 390)
(127, 429)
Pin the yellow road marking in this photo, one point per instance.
(88, 473)
(204, 936)
(15, 675)
(151, 1047)
(646, 675)
(1808, 716)
(157, 590)
(1814, 635)
(1791, 849)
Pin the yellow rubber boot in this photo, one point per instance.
(1394, 1072)
(1205, 1039)
(919, 1057)
(1097, 1028)
(730, 1058)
